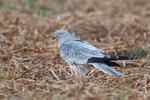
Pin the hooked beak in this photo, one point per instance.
(53, 38)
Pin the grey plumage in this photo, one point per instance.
(80, 53)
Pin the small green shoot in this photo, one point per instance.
(137, 52)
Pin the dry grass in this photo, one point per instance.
(30, 65)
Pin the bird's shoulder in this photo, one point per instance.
(79, 44)
(87, 45)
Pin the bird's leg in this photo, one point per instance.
(80, 70)
(72, 72)
(73, 69)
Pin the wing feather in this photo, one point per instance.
(79, 52)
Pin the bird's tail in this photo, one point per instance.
(106, 69)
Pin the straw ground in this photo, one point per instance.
(30, 65)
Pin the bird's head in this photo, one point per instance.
(60, 34)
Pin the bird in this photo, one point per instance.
(80, 54)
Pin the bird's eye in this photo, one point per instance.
(59, 34)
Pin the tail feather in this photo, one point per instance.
(106, 69)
